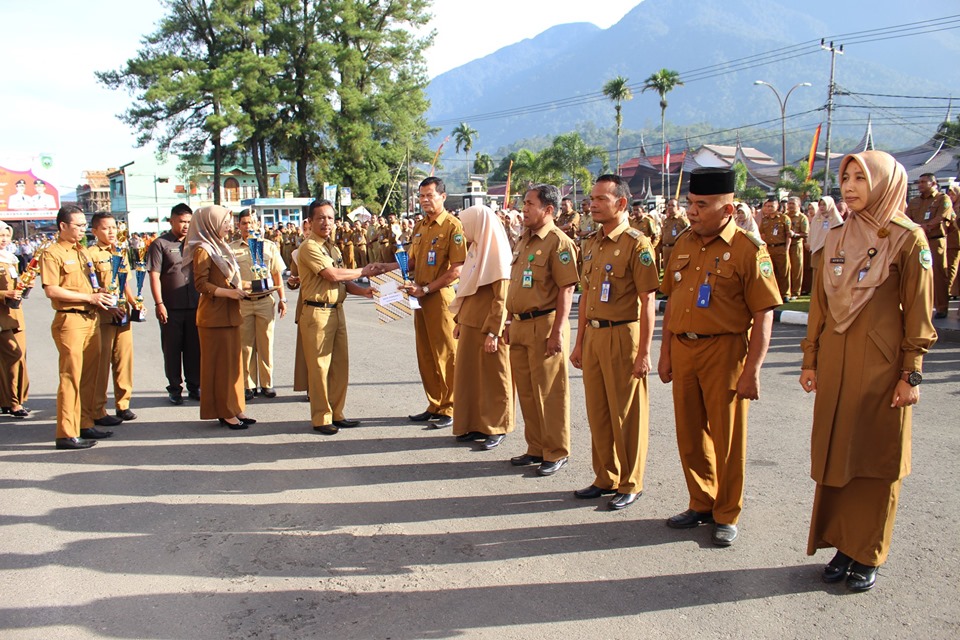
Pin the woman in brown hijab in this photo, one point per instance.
(217, 278)
(868, 329)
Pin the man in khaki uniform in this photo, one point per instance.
(70, 281)
(674, 224)
(359, 245)
(569, 220)
(324, 284)
(116, 334)
(542, 280)
(615, 330)
(933, 211)
(799, 230)
(436, 255)
(258, 313)
(775, 230)
(293, 282)
(716, 329)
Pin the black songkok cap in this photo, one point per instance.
(711, 182)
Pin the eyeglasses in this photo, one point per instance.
(77, 225)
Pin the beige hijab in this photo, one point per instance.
(6, 255)
(830, 215)
(488, 253)
(863, 230)
(205, 232)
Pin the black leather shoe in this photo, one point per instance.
(689, 519)
(4, 410)
(240, 425)
(175, 397)
(246, 420)
(268, 392)
(441, 422)
(95, 434)
(248, 394)
(421, 417)
(623, 500)
(327, 429)
(592, 492)
(126, 415)
(74, 443)
(862, 577)
(724, 534)
(108, 421)
(346, 424)
(22, 412)
(194, 395)
(838, 568)
(525, 459)
(471, 436)
(548, 468)
(492, 442)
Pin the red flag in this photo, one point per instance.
(813, 151)
(437, 155)
(666, 159)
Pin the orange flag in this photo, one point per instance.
(813, 151)
(506, 194)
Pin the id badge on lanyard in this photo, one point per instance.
(432, 255)
(605, 285)
(527, 282)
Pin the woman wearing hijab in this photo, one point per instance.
(870, 316)
(14, 381)
(217, 277)
(827, 217)
(481, 381)
(744, 219)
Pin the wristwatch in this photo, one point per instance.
(913, 378)
(426, 289)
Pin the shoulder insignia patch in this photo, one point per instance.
(646, 259)
(904, 222)
(458, 238)
(766, 268)
(926, 258)
(564, 257)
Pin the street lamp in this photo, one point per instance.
(783, 115)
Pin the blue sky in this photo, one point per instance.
(51, 102)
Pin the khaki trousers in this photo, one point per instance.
(14, 381)
(436, 349)
(953, 261)
(256, 336)
(543, 387)
(941, 295)
(781, 269)
(711, 422)
(796, 267)
(78, 343)
(324, 335)
(116, 354)
(617, 407)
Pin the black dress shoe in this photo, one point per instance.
(240, 425)
(247, 421)
(126, 415)
(492, 442)
(248, 394)
(4, 410)
(525, 459)
(548, 468)
(328, 429)
(194, 395)
(724, 534)
(74, 443)
(689, 519)
(22, 412)
(862, 577)
(593, 491)
(471, 436)
(346, 424)
(421, 417)
(838, 568)
(95, 434)
(268, 392)
(441, 422)
(175, 397)
(623, 500)
(108, 421)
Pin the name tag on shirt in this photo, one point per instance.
(826, 224)
(605, 291)
(431, 258)
(703, 296)
(527, 279)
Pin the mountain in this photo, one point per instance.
(690, 36)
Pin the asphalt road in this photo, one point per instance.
(178, 528)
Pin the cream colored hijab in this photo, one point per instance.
(830, 215)
(871, 228)
(488, 253)
(205, 232)
(6, 255)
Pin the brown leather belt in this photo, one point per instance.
(79, 311)
(696, 336)
(321, 305)
(778, 245)
(530, 315)
(603, 324)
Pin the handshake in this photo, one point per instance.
(375, 269)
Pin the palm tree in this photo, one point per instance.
(793, 178)
(618, 91)
(663, 82)
(569, 155)
(482, 163)
(463, 135)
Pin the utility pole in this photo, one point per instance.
(830, 91)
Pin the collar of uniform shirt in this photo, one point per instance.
(544, 230)
(726, 233)
(620, 228)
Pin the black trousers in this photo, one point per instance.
(181, 349)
